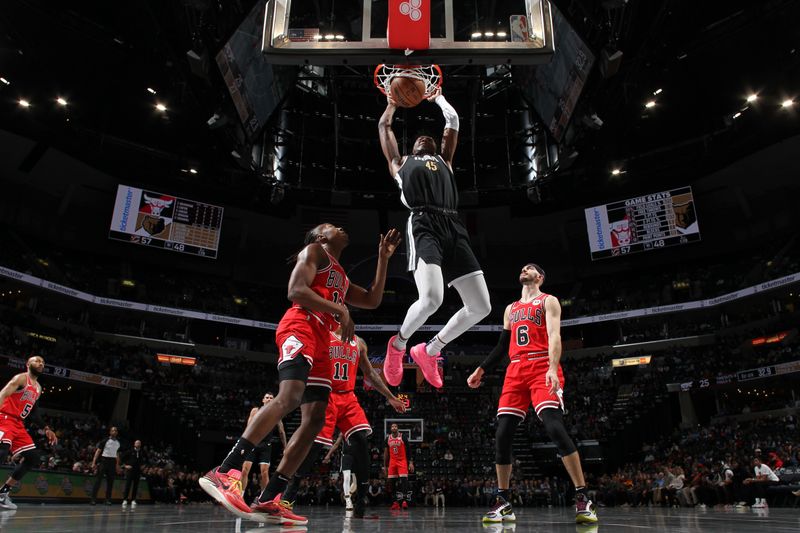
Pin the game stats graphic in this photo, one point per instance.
(643, 223)
(154, 219)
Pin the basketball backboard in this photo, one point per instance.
(318, 32)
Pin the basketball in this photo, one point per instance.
(407, 92)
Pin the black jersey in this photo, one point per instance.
(427, 181)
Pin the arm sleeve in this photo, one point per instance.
(450, 115)
(498, 351)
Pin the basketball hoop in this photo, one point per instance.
(431, 75)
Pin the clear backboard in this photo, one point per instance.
(319, 32)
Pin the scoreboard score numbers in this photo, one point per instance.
(164, 221)
(643, 223)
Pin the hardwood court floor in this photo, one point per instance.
(54, 518)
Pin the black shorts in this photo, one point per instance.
(442, 240)
(261, 454)
(298, 369)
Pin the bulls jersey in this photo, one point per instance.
(426, 180)
(397, 448)
(330, 283)
(20, 403)
(344, 360)
(528, 328)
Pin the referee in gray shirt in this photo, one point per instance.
(108, 453)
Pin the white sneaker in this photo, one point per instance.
(500, 512)
(758, 505)
(348, 503)
(124, 504)
(5, 502)
(133, 504)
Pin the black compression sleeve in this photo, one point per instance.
(35, 416)
(498, 351)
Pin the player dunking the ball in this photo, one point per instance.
(318, 290)
(17, 402)
(532, 339)
(437, 242)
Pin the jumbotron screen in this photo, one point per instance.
(150, 218)
(643, 223)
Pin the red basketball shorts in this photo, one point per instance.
(524, 386)
(397, 469)
(301, 335)
(343, 412)
(13, 433)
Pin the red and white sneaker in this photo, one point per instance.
(395, 506)
(227, 490)
(276, 511)
(429, 364)
(584, 510)
(393, 364)
(404, 505)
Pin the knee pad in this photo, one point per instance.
(554, 426)
(506, 427)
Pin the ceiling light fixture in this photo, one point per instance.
(657, 92)
(651, 103)
(5, 81)
(192, 171)
(616, 172)
(752, 97)
(330, 37)
(23, 103)
(151, 90)
(501, 34)
(161, 107)
(787, 103)
(489, 34)
(476, 35)
(737, 114)
(62, 102)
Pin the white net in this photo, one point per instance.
(431, 75)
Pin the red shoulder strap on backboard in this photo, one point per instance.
(409, 25)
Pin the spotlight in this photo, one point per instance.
(737, 114)
(151, 90)
(317, 36)
(752, 97)
(476, 35)
(5, 81)
(62, 102)
(657, 92)
(161, 107)
(340, 37)
(787, 103)
(650, 104)
(24, 103)
(488, 34)
(616, 172)
(330, 37)
(192, 171)
(501, 34)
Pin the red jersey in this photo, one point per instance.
(330, 283)
(397, 448)
(20, 403)
(344, 359)
(528, 328)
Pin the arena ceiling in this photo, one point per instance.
(113, 63)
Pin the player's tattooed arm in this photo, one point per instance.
(12, 386)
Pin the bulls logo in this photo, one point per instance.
(156, 204)
(290, 348)
(411, 9)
